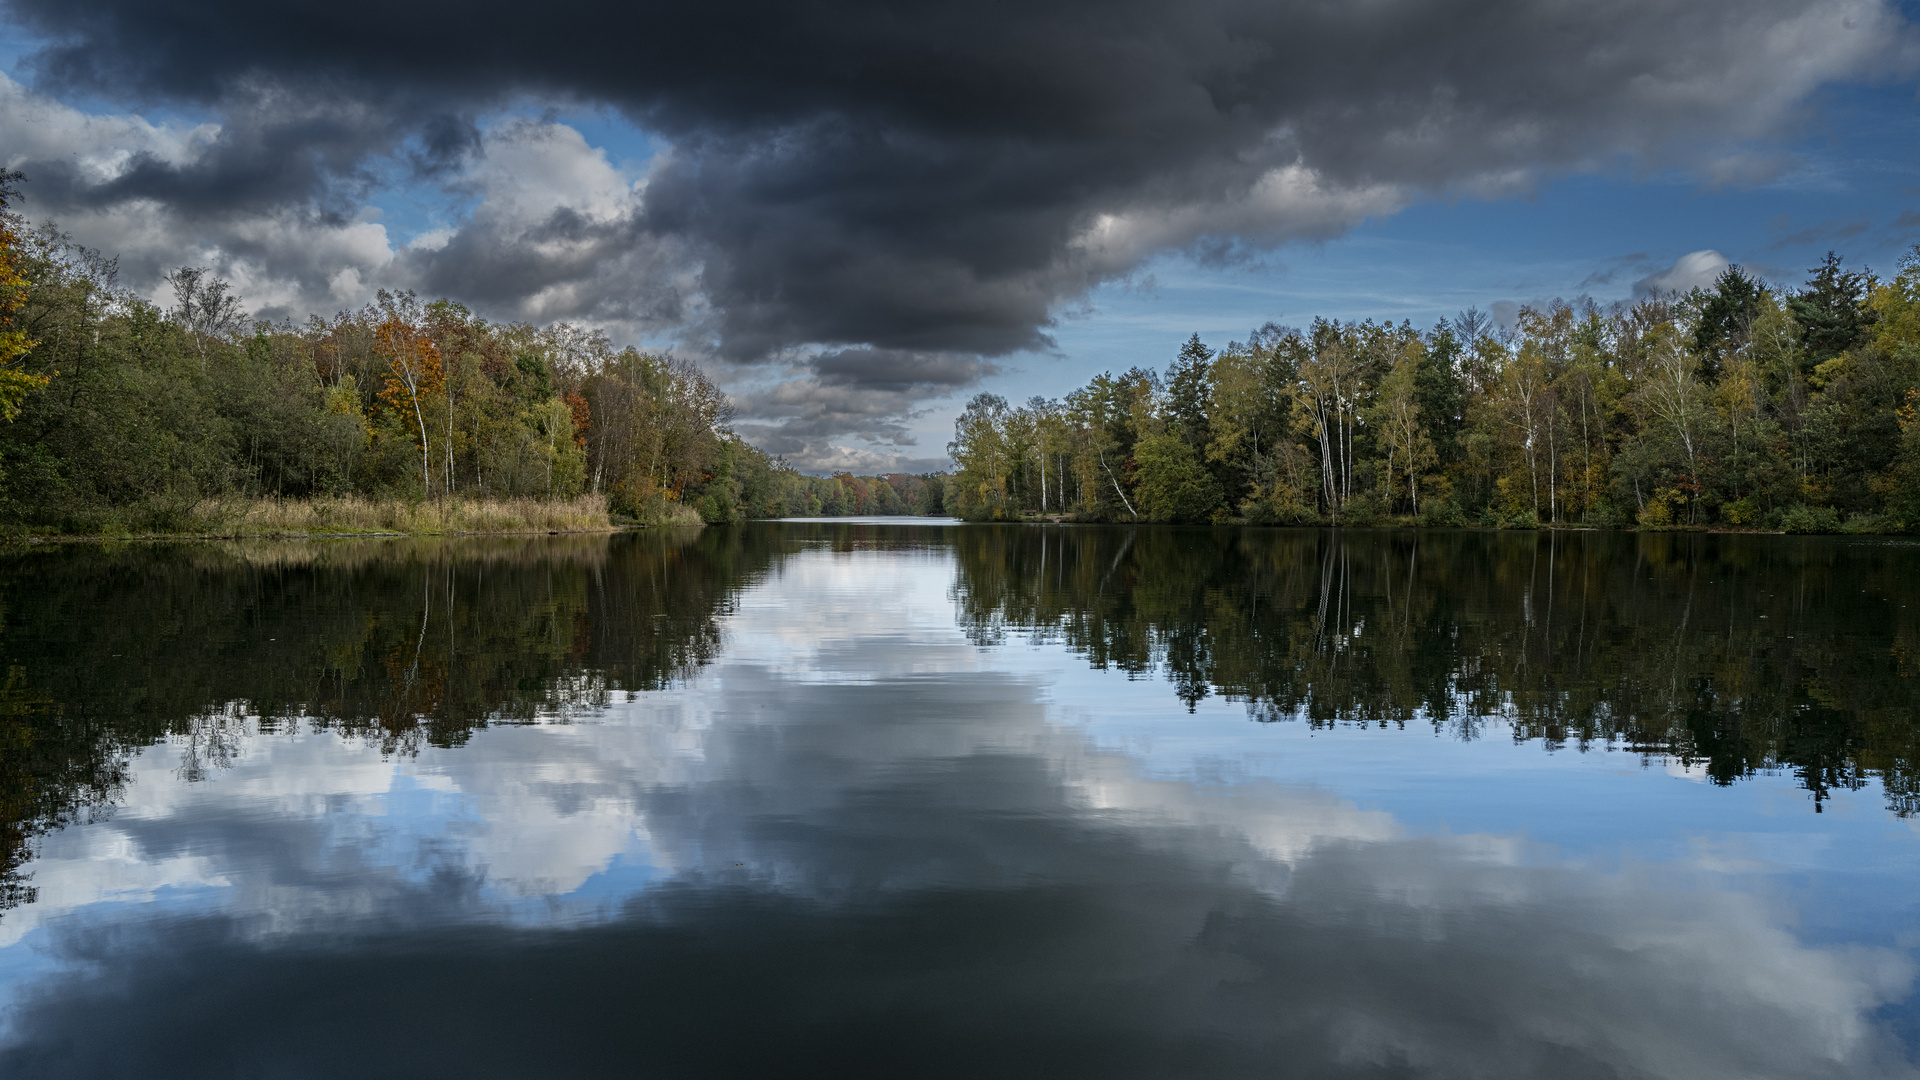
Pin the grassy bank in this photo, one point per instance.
(342, 516)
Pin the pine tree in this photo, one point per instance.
(1190, 393)
(1725, 318)
(1832, 309)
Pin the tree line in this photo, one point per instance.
(1742, 405)
(120, 411)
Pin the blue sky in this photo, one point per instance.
(1846, 181)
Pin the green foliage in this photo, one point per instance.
(1832, 310)
(130, 416)
(1726, 315)
(1744, 406)
(1810, 519)
(1172, 483)
(1190, 381)
(15, 341)
(1721, 408)
(1442, 514)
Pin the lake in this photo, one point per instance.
(894, 798)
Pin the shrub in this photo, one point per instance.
(1362, 509)
(1605, 515)
(1745, 510)
(1868, 524)
(1810, 519)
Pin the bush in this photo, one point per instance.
(1868, 524)
(1810, 519)
(1745, 510)
(1363, 509)
(1279, 511)
(1605, 515)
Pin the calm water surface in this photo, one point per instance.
(876, 799)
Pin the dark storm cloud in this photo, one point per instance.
(557, 266)
(870, 394)
(268, 155)
(944, 177)
(278, 172)
(894, 369)
(913, 177)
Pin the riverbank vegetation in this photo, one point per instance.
(1744, 406)
(126, 418)
(350, 515)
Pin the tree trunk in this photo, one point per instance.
(426, 471)
(1116, 485)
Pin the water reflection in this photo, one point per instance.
(402, 643)
(839, 830)
(1734, 654)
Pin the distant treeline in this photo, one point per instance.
(1741, 405)
(120, 412)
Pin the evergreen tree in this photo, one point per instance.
(1832, 310)
(1190, 393)
(1725, 318)
(1440, 391)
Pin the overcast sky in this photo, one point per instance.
(856, 215)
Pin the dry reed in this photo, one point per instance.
(352, 514)
(349, 515)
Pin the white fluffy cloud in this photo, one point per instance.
(1695, 269)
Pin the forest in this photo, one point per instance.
(122, 415)
(1743, 406)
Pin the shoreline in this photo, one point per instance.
(48, 537)
(319, 518)
(356, 518)
(32, 538)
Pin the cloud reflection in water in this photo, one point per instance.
(858, 844)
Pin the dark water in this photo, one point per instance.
(883, 800)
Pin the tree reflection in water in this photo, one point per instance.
(1734, 654)
(401, 642)
(845, 840)
(1728, 654)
